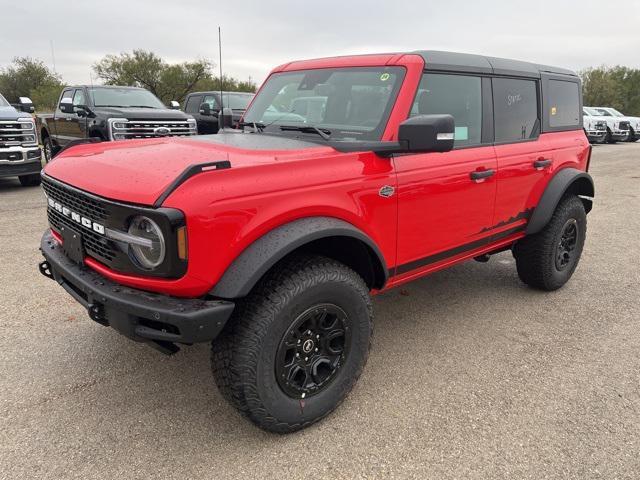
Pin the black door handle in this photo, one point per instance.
(481, 175)
(542, 163)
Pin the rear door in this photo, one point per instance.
(446, 200)
(525, 159)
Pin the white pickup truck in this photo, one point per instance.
(617, 129)
(594, 127)
(634, 122)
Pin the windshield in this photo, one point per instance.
(3, 102)
(592, 111)
(349, 103)
(615, 112)
(236, 101)
(124, 97)
(603, 112)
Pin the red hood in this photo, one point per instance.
(139, 171)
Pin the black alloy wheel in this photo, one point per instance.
(312, 350)
(567, 244)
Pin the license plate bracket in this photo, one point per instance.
(72, 244)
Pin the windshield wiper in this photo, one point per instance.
(257, 126)
(324, 133)
(140, 106)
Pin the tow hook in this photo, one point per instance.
(45, 269)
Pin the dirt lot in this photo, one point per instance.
(471, 374)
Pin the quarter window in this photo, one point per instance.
(515, 107)
(564, 104)
(456, 95)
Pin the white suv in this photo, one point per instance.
(617, 129)
(634, 122)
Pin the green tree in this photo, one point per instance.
(617, 87)
(168, 82)
(29, 77)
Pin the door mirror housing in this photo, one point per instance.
(175, 105)
(66, 105)
(427, 133)
(26, 105)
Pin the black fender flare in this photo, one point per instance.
(256, 260)
(567, 180)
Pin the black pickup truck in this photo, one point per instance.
(205, 108)
(19, 152)
(110, 113)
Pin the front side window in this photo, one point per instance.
(456, 95)
(351, 103)
(78, 98)
(212, 101)
(124, 98)
(564, 104)
(515, 109)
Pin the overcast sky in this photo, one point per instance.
(258, 35)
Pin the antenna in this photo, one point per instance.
(53, 57)
(220, 53)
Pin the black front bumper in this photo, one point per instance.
(142, 316)
(18, 169)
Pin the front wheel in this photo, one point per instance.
(296, 345)
(546, 260)
(48, 149)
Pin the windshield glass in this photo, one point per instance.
(615, 112)
(350, 103)
(124, 97)
(236, 101)
(603, 112)
(3, 102)
(592, 111)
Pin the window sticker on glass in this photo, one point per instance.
(553, 110)
(462, 133)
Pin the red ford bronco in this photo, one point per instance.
(347, 177)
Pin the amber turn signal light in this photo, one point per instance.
(182, 243)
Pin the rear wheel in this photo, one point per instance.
(547, 259)
(296, 345)
(30, 180)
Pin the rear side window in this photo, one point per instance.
(515, 109)
(564, 104)
(456, 95)
(193, 104)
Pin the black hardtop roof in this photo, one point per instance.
(470, 63)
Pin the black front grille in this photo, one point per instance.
(96, 245)
(75, 200)
(624, 125)
(601, 126)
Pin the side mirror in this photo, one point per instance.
(205, 109)
(427, 133)
(26, 105)
(227, 117)
(66, 105)
(175, 105)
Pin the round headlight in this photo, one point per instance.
(152, 256)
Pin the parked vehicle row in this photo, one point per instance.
(20, 154)
(607, 125)
(348, 176)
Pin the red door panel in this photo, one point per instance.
(440, 207)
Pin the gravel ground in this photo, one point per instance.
(471, 374)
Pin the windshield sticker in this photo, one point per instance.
(553, 110)
(384, 77)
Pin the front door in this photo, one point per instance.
(446, 200)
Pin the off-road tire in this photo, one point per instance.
(30, 180)
(609, 137)
(243, 357)
(536, 254)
